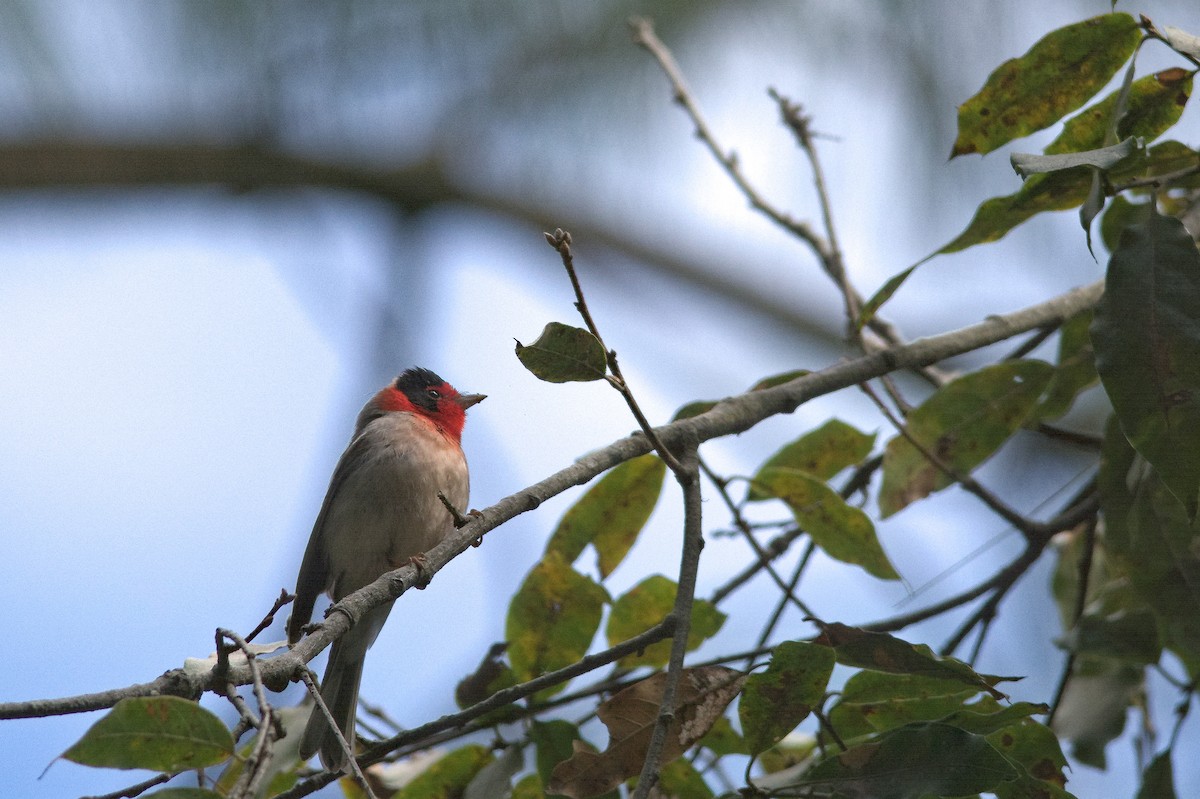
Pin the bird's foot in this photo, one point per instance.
(424, 575)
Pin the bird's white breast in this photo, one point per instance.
(386, 509)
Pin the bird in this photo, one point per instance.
(381, 511)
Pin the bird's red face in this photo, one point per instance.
(422, 392)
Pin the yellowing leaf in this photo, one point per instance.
(1058, 74)
(962, 424)
(841, 530)
(1155, 103)
(822, 453)
(645, 605)
(630, 716)
(612, 513)
(553, 618)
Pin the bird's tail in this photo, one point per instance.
(339, 689)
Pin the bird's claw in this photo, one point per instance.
(424, 575)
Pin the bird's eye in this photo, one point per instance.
(433, 393)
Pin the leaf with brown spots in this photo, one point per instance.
(963, 424)
(864, 649)
(1058, 74)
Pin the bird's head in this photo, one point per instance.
(422, 392)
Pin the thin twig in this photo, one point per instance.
(424, 734)
(314, 690)
(763, 557)
(560, 240)
(800, 125)
(781, 605)
(645, 37)
(280, 602)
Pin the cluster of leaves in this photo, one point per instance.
(906, 722)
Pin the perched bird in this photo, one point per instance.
(381, 512)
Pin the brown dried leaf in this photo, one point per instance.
(701, 699)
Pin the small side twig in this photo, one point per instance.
(560, 240)
(834, 264)
(281, 601)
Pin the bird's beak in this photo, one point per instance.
(467, 400)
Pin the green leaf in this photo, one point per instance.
(1026, 164)
(1034, 749)
(822, 453)
(776, 700)
(1158, 781)
(1074, 371)
(611, 514)
(448, 777)
(912, 761)
(647, 604)
(880, 686)
(564, 354)
(841, 530)
(1155, 104)
(552, 618)
(1162, 159)
(159, 733)
(1058, 74)
(991, 717)
(876, 701)
(1147, 340)
(528, 787)
(1152, 546)
(882, 652)
(722, 739)
(694, 409)
(962, 424)
(554, 741)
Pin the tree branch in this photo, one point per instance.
(729, 417)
